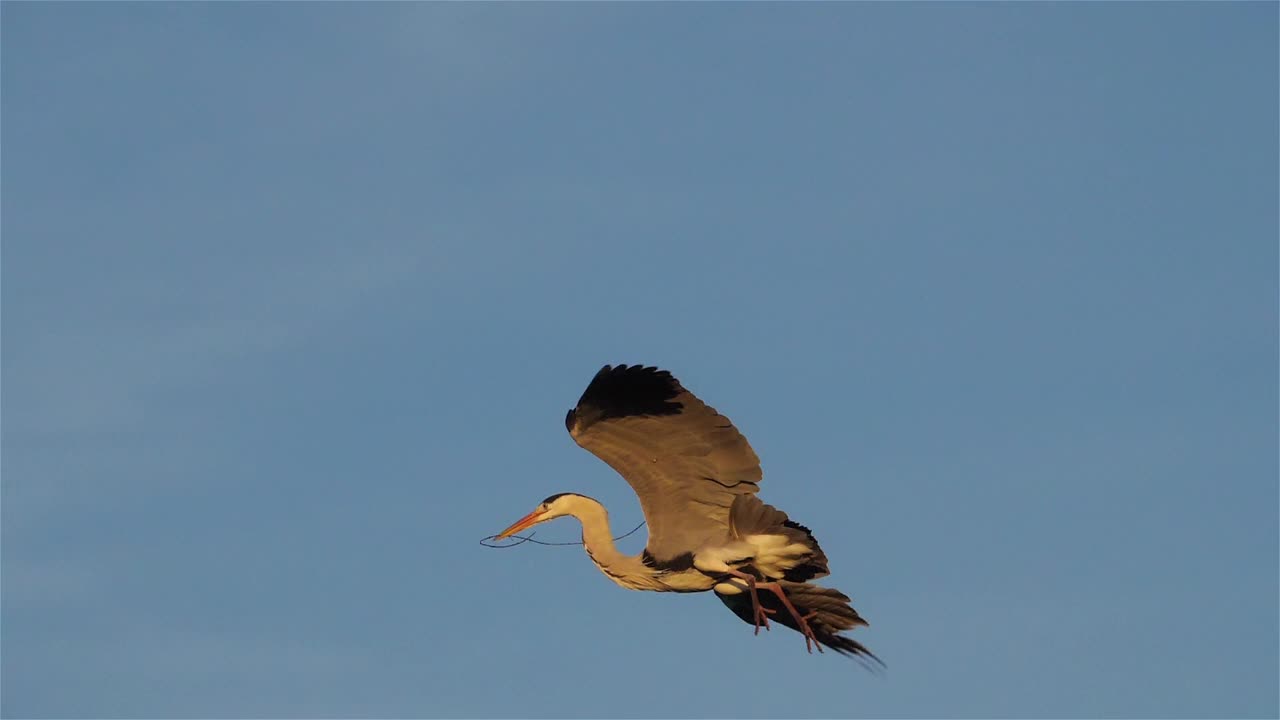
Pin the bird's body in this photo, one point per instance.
(697, 478)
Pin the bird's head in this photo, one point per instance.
(549, 509)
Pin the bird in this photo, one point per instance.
(697, 477)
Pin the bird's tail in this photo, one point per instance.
(832, 614)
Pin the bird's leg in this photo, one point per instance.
(758, 611)
(810, 640)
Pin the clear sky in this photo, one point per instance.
(296, 296)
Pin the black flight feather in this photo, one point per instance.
(624, 391)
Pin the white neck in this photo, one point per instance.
(629, 571)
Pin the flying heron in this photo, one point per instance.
(697, 478)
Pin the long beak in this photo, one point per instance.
(527, 521)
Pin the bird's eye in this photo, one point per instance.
(544, 507)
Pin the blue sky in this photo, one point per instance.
(295, 298)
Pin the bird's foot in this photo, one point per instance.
(759, 613)
(802, 621)
(810, 640)
(762, 615)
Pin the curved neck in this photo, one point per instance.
(597, 537)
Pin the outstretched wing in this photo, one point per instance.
(684, 460)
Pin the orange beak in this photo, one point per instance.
(525, 522)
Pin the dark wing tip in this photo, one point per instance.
(853, 649)
(797, 526)
(623, 391)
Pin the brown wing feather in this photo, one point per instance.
(750, 516)
(685, 461)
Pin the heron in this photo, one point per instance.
(696, 477)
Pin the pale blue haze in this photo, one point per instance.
(295, 298)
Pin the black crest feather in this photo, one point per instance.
(557, 496)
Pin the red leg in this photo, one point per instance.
(810, 640)
(758, 611)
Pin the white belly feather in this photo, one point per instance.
(770, 555)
